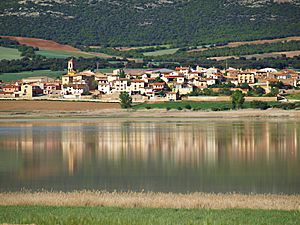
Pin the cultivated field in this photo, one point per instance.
(62, 54)
(41, 43)
(257, 42)
(162, 52)
(52, 49)
(6, 77)
(54, 106)
(9, 53)
(289, 54)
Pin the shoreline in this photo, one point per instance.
(149, 114)
(153, 200)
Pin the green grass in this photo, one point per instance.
(9, 53)
(17, 76)
(152, 46)
(43, 215)
(162, 52)
(293, 96)
(61, 54)
(194, 105)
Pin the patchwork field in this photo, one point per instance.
(9, 53)
(289, 54)
(257, 42)
(18, 76)
(52, 49)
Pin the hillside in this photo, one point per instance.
(149, 22)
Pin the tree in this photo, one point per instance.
(274, 92)
(245, 86)
(259, 91)
(122, 74)
(125, 100)
(238, 99)
(158, 79)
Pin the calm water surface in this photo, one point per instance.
(260, 156)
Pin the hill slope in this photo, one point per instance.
(149, 22)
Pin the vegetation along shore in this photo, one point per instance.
(87, 207)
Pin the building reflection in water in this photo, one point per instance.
(51, 149)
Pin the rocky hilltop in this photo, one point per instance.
(149, 22)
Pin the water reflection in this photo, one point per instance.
(218, 156)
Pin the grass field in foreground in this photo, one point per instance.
(9, 53)
(17, 76)
(45, 215)
(194, 105)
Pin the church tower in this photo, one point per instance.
(71, 70)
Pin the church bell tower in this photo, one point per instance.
(71, 70)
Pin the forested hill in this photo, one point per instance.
(149, 22)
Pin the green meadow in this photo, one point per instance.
(9, 53)
(162, 52)
(61, 54)
(293, 96)
(18, 76)
(46, 215)
(217, 106)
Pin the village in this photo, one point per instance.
(153, 85)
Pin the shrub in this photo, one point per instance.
(125, 100)
(148, 107)
(168, 108)
(287, 106)
(188, 106)
(179, 108)
(259, 105)
(216, 109)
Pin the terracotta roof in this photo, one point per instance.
(138, 81)
(157, 83)
(10, 86)
(6, 93)
(181, 68)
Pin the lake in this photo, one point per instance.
(246, 155)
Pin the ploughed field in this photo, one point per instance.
(54, 106)
(41, 43)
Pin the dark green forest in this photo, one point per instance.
(148, 22)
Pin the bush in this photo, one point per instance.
(287, 106)
(125, 100)
(168, 108)
(259, 105)
(179, 108)
(188, 106)
(148, 107)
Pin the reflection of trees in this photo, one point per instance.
(174, 144)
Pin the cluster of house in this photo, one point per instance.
(142, 85)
